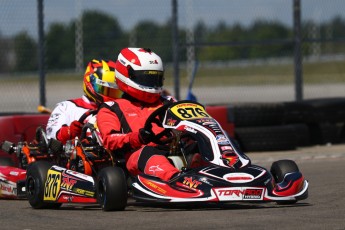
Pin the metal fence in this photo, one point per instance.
(225, 48)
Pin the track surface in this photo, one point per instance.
(324, 209)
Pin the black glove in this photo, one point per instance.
(145, 136)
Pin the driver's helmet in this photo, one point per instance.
(140, 73)
(99, 81)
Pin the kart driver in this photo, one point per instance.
(139, 74)
(99, 86)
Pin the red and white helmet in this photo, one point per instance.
(140, 73)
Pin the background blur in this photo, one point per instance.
(238, 51)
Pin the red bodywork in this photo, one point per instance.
(9, 179)
(17, 128)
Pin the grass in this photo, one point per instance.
(269, 74)
(313, 73)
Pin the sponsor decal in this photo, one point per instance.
(210, 123)
(206, 121)
(68, 183)
(238, 177)
(171, 122)
(155, 187)
(239, 193)
(7, 188)
(227, 147)
(225, 194)
(78, 175)
(189, 129)
(68, 198)
(222, 140)
(14, 173)
(84, 192)
(118, 134)
(153, 62)
(230, 158)
(204, 180)
(155, 168)
(191, 183)
(253, 194)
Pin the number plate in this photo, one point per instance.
(188, 111)
(52, 185)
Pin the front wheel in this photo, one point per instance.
(36, 176)
(111, 187)
(279, 169)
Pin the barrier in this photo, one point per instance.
(20, 127)
(288, 125)
(256, 127)
(220, 113)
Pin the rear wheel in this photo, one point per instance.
(111, 187)
(279, 169)
(36, 176)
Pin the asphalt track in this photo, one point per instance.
(323, 166)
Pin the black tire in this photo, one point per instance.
(282, 167)
(111, 187)
(6, 161)
(256, 114)
(278, 170)
(266, 138)
(36, 176)
(327, 109)
(323, 133)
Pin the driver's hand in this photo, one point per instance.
(145, 136)
(75, 129)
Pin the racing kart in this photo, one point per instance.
(12, 176)
(221, 173)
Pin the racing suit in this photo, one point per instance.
(64, 114)
(119, 123)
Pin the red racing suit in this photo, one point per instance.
(119, 123)
(64, 114)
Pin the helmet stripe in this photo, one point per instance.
(131, 56)
(121, 68)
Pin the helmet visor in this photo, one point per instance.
(148, 78)
(103, 87)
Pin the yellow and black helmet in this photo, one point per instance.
(99, 81)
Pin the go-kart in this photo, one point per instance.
(48, 185)
(12, 176)
(12, 180)
(221, 173)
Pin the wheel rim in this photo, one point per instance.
(101, 193)
(31, 187)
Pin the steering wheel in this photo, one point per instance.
(86, 126)
(86, 114)
(157, 118)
